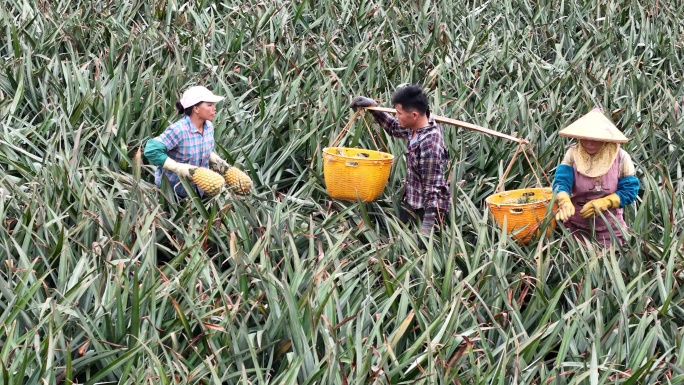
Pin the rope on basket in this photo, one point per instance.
(346, 127)
(339, 136)
(372, 135)
(510, 165)
(538, 165)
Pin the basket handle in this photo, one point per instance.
(339, 137)
(510, 165)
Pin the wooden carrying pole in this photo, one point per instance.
(521, 141)
(460, 123)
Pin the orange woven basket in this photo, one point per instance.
(354, 173)
(522, 211)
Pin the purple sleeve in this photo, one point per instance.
(391, 125)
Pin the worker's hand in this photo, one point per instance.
(181, 169)
(216, 163)
(362, 101)
(565, 207)
(595, 206)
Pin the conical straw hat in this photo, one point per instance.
(594, 126)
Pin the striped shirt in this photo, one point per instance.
(185, 144)
(427, 161)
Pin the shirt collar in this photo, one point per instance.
(431, 125)
(192, 126)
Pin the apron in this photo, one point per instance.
(585, 189)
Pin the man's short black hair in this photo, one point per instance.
(411, 98)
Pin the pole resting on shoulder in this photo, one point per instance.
(460, 123)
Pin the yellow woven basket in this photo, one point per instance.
(353, 173)
(523, 211)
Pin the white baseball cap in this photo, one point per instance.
(197, 94)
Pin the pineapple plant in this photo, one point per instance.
(311, 290)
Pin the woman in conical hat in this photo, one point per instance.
(595, 180)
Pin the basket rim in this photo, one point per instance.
(326, 151)
(540, 202)
(521, 205)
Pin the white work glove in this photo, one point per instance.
(181, 169)
(216, 163)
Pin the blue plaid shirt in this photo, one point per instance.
(427, 161)
(185, 144)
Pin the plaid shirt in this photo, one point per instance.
(426, 163)
(185, 144)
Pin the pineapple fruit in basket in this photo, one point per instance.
(522, 211)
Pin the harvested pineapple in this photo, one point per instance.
(208, 181)
(237, 181)
(525, 199)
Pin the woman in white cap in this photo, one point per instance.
(187, 143)
(595, 180)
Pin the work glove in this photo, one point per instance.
(180, 169)
(362, 101)
(428, 221)
(216, 163)
(565, 207)
(595, 206)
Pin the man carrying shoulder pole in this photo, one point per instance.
(426, 194)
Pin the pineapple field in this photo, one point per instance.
(106, 278)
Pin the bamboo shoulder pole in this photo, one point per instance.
(459, 123)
